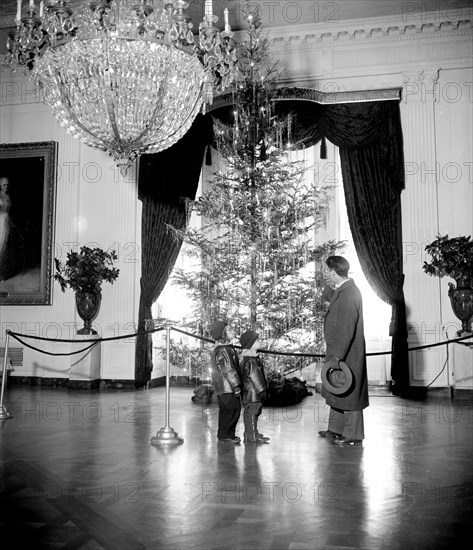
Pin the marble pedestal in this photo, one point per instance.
(85, 367)
(462, 365)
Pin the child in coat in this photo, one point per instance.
(254, 386)
(226, 381)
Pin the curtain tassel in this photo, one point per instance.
(323, 148)
(208, 156)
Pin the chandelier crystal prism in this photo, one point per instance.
(123, 76)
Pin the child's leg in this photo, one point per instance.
(257, 413)
(248, 422)
(250, 416)
(228, 415)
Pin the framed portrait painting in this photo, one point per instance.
(27, 204)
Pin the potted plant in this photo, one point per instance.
(453, 257)
(84, 272)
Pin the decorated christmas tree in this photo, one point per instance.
(255, 261)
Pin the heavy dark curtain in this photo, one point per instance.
(374, 213)
(165, 180)
(369, 137)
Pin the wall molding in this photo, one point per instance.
(364, 31)
(369, 54)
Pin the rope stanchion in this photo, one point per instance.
(4, 414)
(167, 435)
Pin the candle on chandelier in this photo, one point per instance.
(227, 24)
(18, 11)
(31, 3)
(41, 8)
(208, 8)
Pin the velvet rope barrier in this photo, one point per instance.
(167, 436)
(4, 414)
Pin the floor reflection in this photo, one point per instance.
(75, 481)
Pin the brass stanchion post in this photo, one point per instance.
(4, 414)
(167, 435)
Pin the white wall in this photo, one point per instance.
(437, 116)
(94, 204)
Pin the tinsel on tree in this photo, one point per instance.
(254, 260)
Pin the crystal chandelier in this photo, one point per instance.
(123, 76)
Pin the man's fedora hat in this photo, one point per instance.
(337, 377)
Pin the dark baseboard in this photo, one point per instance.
(176, 381)
(83, 384)
(38, 381)
(156, 382)
(111, 384)
(462, 394)
(419, 393)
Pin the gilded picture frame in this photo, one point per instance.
(28, 173)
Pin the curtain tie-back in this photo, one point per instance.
(323, 148)
(208, 156)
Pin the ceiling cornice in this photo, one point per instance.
(386, 29)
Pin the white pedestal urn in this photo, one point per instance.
(88, 307)
(461, 299)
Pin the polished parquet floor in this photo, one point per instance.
(78, 471)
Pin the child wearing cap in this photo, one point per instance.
(226, 381)
(254, 386)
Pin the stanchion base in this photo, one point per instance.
(166, 436)
(4, 414)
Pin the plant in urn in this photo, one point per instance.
(84, 272)
(453, 257)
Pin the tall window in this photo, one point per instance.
(376, 313)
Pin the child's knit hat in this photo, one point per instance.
(248, 338)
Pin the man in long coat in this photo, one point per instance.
(345, 341)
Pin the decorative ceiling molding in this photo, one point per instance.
(373, 56)
(368, 34)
